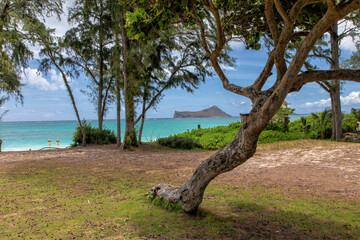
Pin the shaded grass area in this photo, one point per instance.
(93, 199)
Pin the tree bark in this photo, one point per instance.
(335, 90)
(118, 120)
(130, 134)
(189, 196)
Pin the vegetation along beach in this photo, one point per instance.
(193, 119)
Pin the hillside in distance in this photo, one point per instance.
(213, 111)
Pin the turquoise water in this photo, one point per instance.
(18, 136)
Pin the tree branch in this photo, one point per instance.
(323, 75)
(202, 31)
(281, 11)
(265, 74)
(270, 18)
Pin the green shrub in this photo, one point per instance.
(93, 135)
(349, 123)
(270, 136)
(218, 137)
(179, 142)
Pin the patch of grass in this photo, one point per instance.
(87, 200)
(313, 217)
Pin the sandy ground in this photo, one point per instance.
(305, 167)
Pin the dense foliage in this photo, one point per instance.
(218, 137)
(93, 135)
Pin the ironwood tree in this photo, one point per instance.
(283, 21)
(89, 44)
(173, 60)
(52, 55)
(17, 19)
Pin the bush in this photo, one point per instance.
(349, 123)
(93, 135)
(270, 136)
(218, 137)
(179, 142)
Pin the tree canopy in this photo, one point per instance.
(18, 24)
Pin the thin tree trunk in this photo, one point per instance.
(71, 97)
(130, 135)
(118, 87)
(143, 115)
(335, 90)
(118, 112)
(101, 77)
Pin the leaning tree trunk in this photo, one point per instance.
(335, 86)
(50, 54)
(143, 114)
(190, 195)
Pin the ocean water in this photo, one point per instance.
(17, 136)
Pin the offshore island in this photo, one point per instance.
(213, 111)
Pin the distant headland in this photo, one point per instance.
(213, 111)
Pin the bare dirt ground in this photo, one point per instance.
(313, 167)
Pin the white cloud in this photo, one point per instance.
(292, 94)
(236, 45)
(351, 99)
(346, 43)
(219, 93)
(34, 78)
(237, 103)
(229, 68)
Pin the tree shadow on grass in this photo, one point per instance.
(244, 221)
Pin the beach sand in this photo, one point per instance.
(306, 167)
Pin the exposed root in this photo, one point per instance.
(176, 195)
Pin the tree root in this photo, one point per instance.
(178, 195)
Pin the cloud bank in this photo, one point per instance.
(352, 99)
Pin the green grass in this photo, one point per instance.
(87, 200)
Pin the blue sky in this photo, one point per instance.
(45, 97)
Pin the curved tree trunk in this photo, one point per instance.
(190, 195)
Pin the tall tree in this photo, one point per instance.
(284, 21)
(173, 60)
(89, 45)
(130, 83)
(52, 56)
(116, 64)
